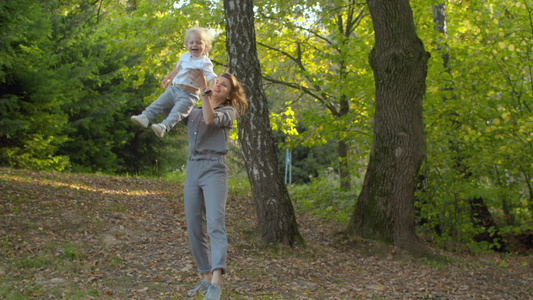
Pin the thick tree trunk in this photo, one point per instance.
(275, 213)
(385, 208)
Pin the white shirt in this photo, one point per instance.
(189, 62)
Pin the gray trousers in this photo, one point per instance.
(205, 194)
(175, 102)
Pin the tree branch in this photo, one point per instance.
(321, 97)
(298, 61)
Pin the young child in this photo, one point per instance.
(179, 98)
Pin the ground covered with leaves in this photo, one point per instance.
(75, 236)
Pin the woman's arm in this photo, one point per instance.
(207, 108)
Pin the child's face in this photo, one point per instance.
(195, 45)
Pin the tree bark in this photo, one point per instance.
(345, 177)
(385, 208)
(275, 213)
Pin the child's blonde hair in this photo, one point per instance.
(204, 34)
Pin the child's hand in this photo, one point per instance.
(170, 76)
(165, 82)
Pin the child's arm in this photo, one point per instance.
(170, 76)
(212, 83)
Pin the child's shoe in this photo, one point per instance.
(140, 120)
(159, 129)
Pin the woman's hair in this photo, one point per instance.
(237, 98)
(204, 34)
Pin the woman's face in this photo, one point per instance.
(222, 88)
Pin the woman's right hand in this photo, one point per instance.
(198, 77)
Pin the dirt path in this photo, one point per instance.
(71, 236)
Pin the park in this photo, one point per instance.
(409, 126)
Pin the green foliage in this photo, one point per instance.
(64, 99)
(478, 121)
(324, 198)
(239, 186)
(316, 53)
(96, 100)
(306, 162)
(31, 92)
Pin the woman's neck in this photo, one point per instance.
(217, 102)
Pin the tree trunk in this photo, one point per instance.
(481, 218)
(275, 213)
(345, 177)
(385, 208)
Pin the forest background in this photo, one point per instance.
(73, 72)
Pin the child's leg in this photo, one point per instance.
(163, 104)
(185, 101)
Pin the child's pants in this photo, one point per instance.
(205, 194)
(175, 102)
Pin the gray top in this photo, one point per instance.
(209, 141)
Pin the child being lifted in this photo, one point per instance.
(179, 98)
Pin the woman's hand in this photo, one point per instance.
(198, 77)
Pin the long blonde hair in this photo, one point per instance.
(237, 97)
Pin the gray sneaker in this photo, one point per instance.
(213, 292)
(159, 129)
(140, 120)
(201, 287)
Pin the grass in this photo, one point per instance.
(324, 198)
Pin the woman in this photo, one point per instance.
(206, 181)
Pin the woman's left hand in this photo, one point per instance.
(198, 77)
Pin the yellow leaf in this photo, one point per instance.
(496, 121)
(502, 45)
(511, 47)
(505, 116)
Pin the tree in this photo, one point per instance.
(484, 124)
(275, 213)
(313, 50)
(385, 207)
(479, 212)
(31, 91)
